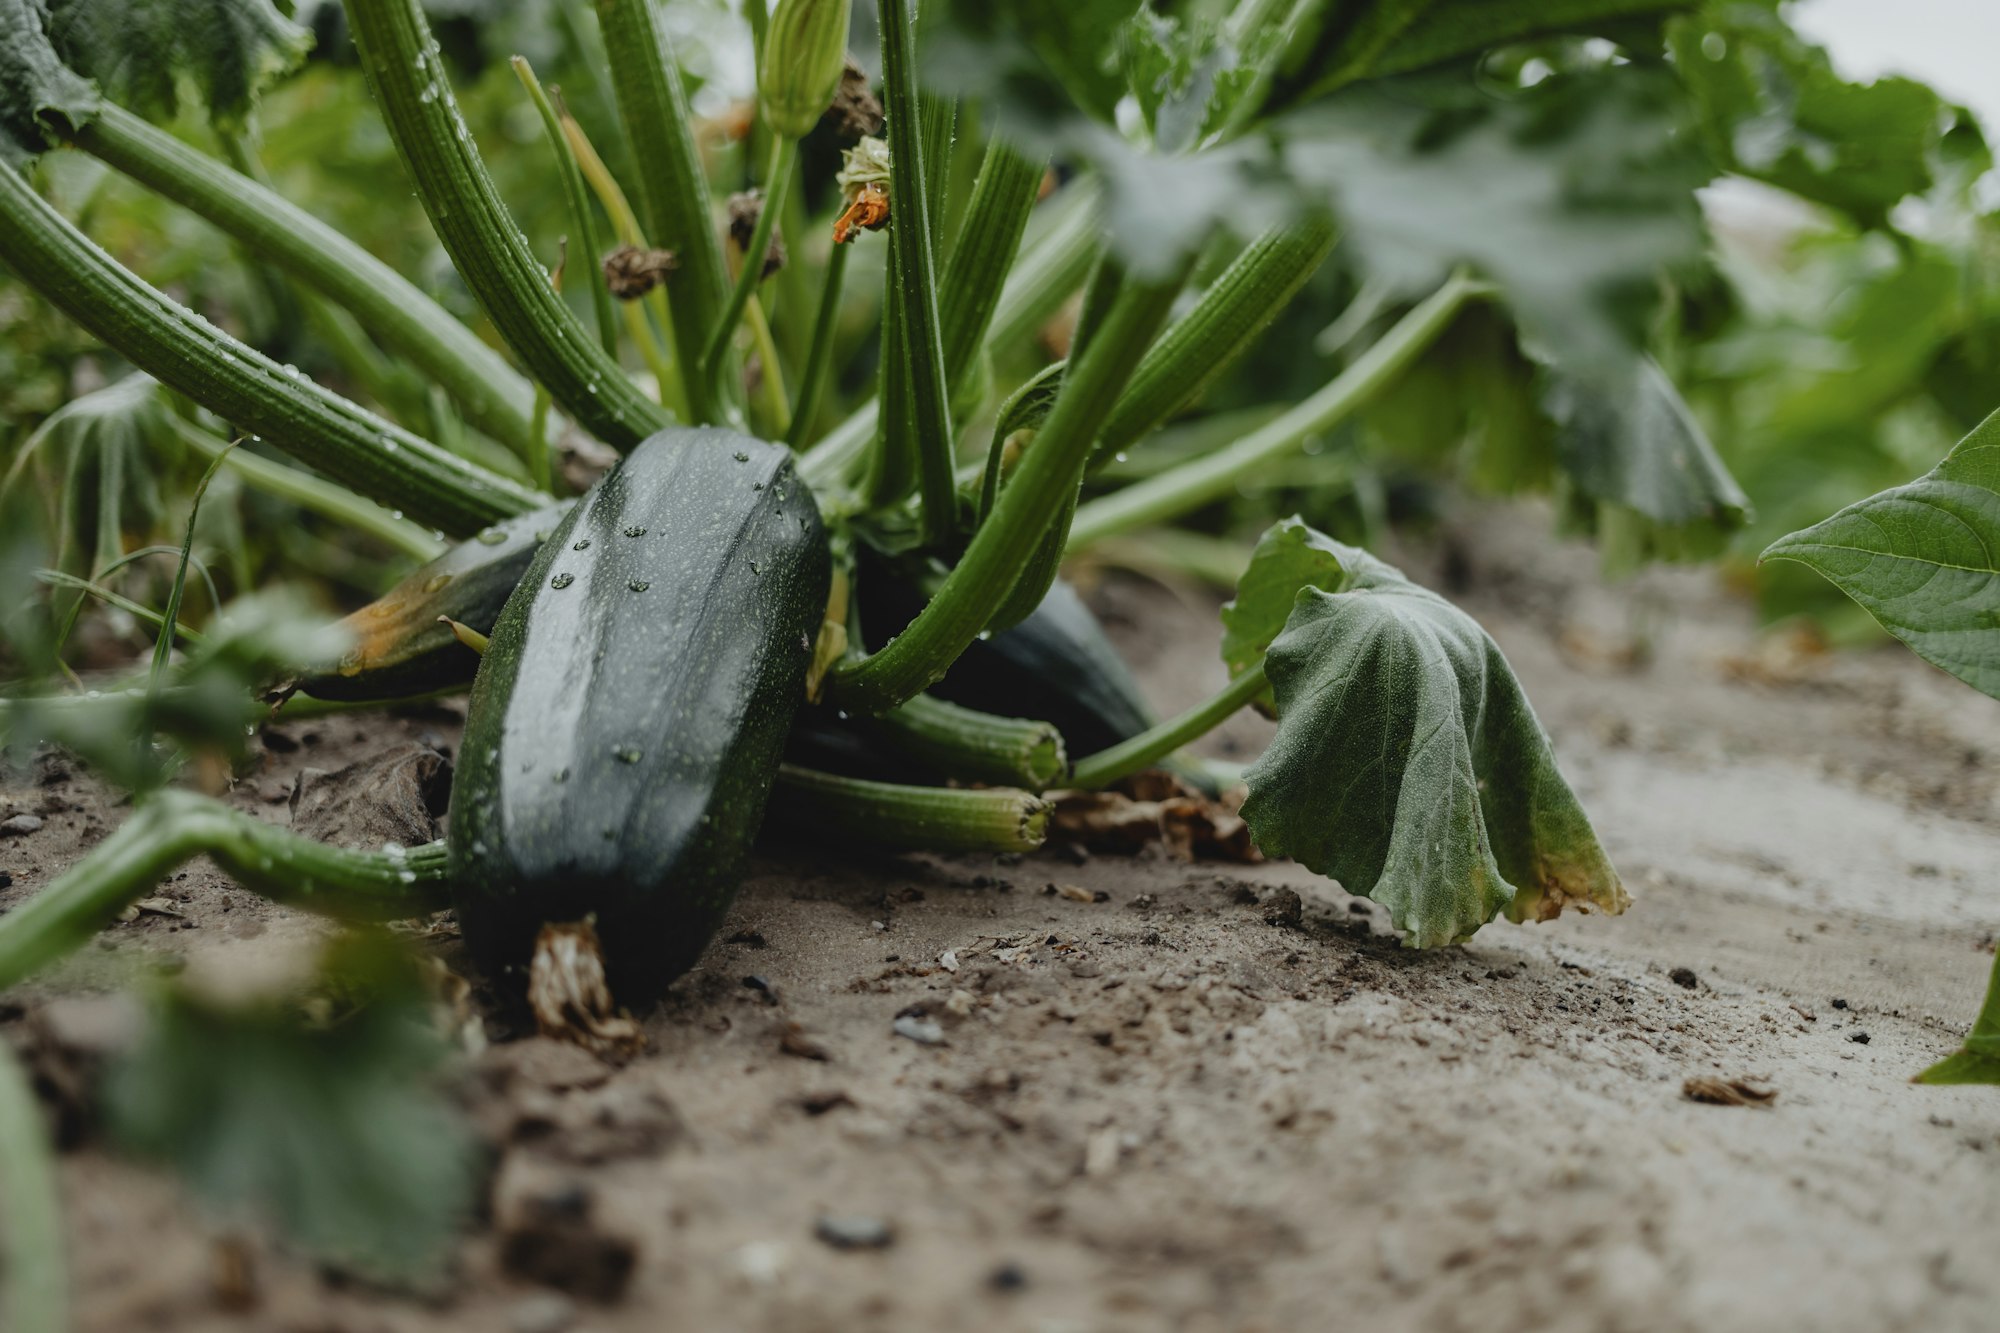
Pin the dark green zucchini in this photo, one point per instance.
(1056, 665)
(627, 719)
(399, 648)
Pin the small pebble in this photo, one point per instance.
(924, 1031)
(19, 825)
(544, 1312)
(1858, 1038)
(1007, 1277)
(855, 1232)
(1840, 1004)
(1684, 977)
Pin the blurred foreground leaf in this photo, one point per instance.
(323, 1118)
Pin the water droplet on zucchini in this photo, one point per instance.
(562, 580)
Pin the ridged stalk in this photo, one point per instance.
(1196, 348)
(1003, 195)
(183, 351)
(673, 189)
(1191, 485)
(971, 746)
(916, 415)
(411, 85)
(1039, 491)
(171, 827)
(819, 359)
(889, 814)
(315, 494)
(487, 390)
(1048, 269)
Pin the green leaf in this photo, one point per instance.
(1979, 1060)
(1924, 559)
(1641, 465)
(335, 1130)
(143, 53)
(1574, 196)
(1407, 763)
(1289, 556)
(1401, 36)
(38, 93)
(1772, 107)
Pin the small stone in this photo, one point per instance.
(1858, 1038)
(923, 1031)
(20, 825)
(1684, 977)
(1840, 1004)
(544, 1312)
(854, 1232)
(1007, 1277)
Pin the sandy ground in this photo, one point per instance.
(1164, 1111)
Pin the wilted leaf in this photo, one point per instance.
(38, 94)
(1289, 556)
(1409, 766)
(333, 1130)
(142, 52)
(1922, 559)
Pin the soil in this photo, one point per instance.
(1159, 1109)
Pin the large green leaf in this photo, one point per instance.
(1574, 196)
(1772, 107)
(1402, 36)
(335, 1130)
(143, 52)
(1407, 763)
(38, 94)
(1924, 559)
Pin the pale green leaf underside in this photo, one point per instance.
(142, 53)
(1408, 764)
(1924, 559)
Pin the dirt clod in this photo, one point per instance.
(18, 826)
(1684, 977)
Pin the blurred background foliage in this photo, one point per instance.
(1841, 330)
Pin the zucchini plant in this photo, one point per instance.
(826, 570)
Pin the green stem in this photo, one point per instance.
(715, 354)
(906, 818)
(1978, 1060)
(580, 215)
(1157, 742)
(313, 493)
(35, 1273)
(414, 91)
(1231, 314)
(971, 746)
(1048, 269)
(251, 392)
(916, 422)
(1188, 487)
(1052, 265)
(1042, 487)
(673, 188)
(489, 392)
(539, 466)
(57, 578)
(818, 361)
(170, 827)
(625, 223)
(1003, 195)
